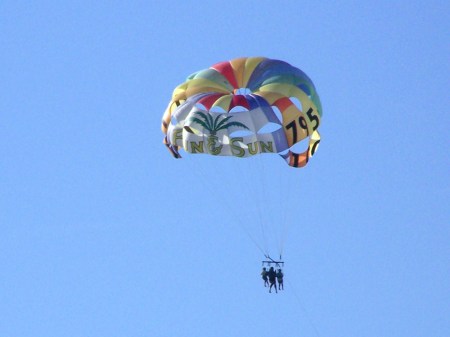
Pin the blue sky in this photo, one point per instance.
(103, 233)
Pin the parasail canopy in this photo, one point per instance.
(245, 107)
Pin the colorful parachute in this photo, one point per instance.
(244, 107)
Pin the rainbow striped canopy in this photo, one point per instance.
(245, 107)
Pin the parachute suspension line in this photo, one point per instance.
(262, 197)
(282, 201)
(248, 180)
(273, 212)
(284, 232)
(284, 220)
(290, 202)
(307, 315)
(231, 210)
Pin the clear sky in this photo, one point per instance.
(103, 233)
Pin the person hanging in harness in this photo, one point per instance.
(280, 279)
(272, 279)
(264, 277)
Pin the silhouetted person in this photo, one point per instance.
(272, 279)
(280, 279)
(264, 277)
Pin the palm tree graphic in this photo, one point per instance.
(213, 125)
